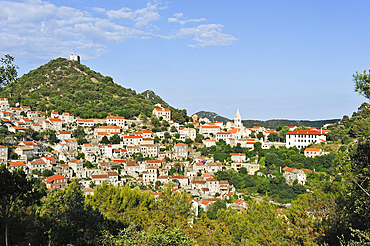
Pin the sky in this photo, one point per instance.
(269, 59)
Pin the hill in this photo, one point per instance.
(268, 123)
(212, 116)
(68, 86)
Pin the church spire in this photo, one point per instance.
(237, 119)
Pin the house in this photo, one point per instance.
(55, 124)
(16, 164)
(302, 138)
(312, 152)
(132, 168)
(209, 130)
(213, 185)
(154, 163)
(4, 104)
(132, 140)
(36, 127)
(4, 153)
(165, 113)
(25, 152)
(116, 120)
(100, 178)
(150, 175)
(180, 179)
(149, 150)
(181, 150)
(38, 164)
(85, 123)
(238, 157)
(16, 129)
(67, 118)
(76, 165)
(240, 204)
(112, 177)
(61, 135)
(291, 174)
(209, 142)
(107, 129)
(56, 181)
(188, 133)
(71, 143)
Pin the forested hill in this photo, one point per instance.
(272, 124)
(68, 86)
(268, 123)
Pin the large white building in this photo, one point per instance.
(302, 138)
(165, 113)
(116, 120)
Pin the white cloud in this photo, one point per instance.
(98, 10)
(179, 17)
(46, 29)
(43, 30)
(205, 35)
(146, 15)
(123, 13)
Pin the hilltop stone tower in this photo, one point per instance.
(74, 58)
(238, 120)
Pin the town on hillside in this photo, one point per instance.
(150, 153)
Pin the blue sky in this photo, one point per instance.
(270, 59)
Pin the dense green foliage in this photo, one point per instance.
(67, 86)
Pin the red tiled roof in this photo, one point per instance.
(115, 117)
(16, 164)
(288, 169)
(306, 132)
(181, 144)
(312, 149)
(64, 132)
(99, 176)
(54, 177)
(238, 201)
(85, 120)
(306, 170)
(162, 109)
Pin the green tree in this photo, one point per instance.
(68, 220)
(362, 83)
(260, 135)
(357, 200)
(273, 137)
(115, 139)
(15, 191)
(105, 140)
(214, 208)
(282, 132)
(52, 137)
(47, 173)
(188, 141)
(199, 138)
(8, 70)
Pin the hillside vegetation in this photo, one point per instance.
(67, 86)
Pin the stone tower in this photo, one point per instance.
(237, 120)
(74, 58)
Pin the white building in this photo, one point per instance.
(165, 113)
(302, 138)
(116, 120)
(312, 152)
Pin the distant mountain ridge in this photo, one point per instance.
(268, 123)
